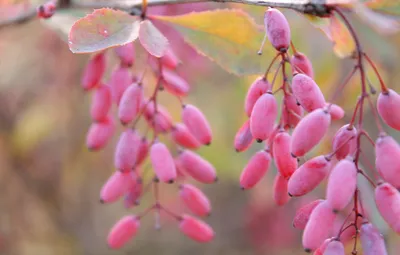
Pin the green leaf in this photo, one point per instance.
(103, 29)
(152, 39)
(231, 38)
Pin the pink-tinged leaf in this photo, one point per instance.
(104, 28)
(152, 39)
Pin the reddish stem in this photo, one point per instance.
(372, 64)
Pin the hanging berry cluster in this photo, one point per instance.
(134, 147)
(304, 121)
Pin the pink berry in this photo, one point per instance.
(101, 103)
(318, 227)
(310, 131)
(344, 142)
(284, 161)
(387, 101)
(387, 199)
(182, 136)
(334, 248)
(115, 187)
(255, 169)
(94, 71)
(263, 117)
(336, 111)
(143, 151)
(197, 167)
(372, 241)
(174, 84)
(196, 229)
(100, 133)
(291, 111)
(120, 80)
(342, 184)
(197, 124)
(133, 194)
(195, 200)
(243, 137)
(322, 248)
(163, 162)
(126, 150)
(130, 104)
(123, 231)
(126, 54)
(277, 29)
(302, 64)
(255, 91)
(280, 192)
(46, 10)
(169, 59)
(308, 176)
(161, 120)
(303, 214)
(307, 92)
(387, 152)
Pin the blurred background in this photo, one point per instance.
(50, 182)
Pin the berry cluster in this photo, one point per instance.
(304, 120)
(132, 178)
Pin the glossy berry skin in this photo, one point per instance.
(285, 163)
(243, 137)
(303, 214)
(100, 134)
(255, 169)
(123, 231)
(263, 117)
(387, 200)
(101, 103)
(387, 152)
(372, 241)
(308, 176)
(387, 102)
(256, 89)
(318, 227)
(310, 131)
(94, 71)
(162, 162)
(197, 124)
(198, 168)
(195, 200)
(342, 184)
(277, 29)
(174, 84)
(131, 103)
(307, 92)
(280, 193)
(182, 136)
(334, 248)
(344, 142)
(195, 229)
(302, 64)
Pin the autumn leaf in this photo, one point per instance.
(152, 39)
(104, 28)
(391, 7)
(231, 38)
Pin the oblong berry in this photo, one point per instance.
(256, 89)
(307, 92)
(308, 176)
(126, 54)
(280, 192)
(344, 142)
(160, 120)
(310, 131)
(174, 83)
(126, 151)
(342, 184)
(195, 200)
(101, 103)
(119, 81)
(197, 124)
(182, 136)
(334, 248)
(387, 101)
(285, 163)
(372, 241)
(322, 248)
(123, 231)
(198, 168)
(94, 71)
(291, 111)
(115, 187)
(243, 137)
(133, 194)
(318, 227)
(131, 103)
(196, 229)
(387, 199)
(303, 214)
(255, 169)
(336, 111)
(162, 162)
(277, 29)
(302, 64)
(169, 59)
(143, 151)
(263, 117)
(387, 162)
(100, 133)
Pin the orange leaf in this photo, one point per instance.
(344, 44)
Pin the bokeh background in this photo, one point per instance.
(50, 182)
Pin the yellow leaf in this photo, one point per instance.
(229, 37)
(344, 45)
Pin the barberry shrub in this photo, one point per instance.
(154, 150)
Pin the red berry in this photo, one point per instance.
(163, 162)
(94, 71)
(120, 80)
(126, 53)
(302, 64)
(195, 200)
(372, 241)
(307, 92)
(182, 136)
(126, 150)
(334, 248)
(243, 137)
(387, 101)
(336, 111)
(115, 187)
(277, 29)
(142, 151)
(263, 117)
(132, 196)
(387, 199)
(387, 152)
(291, 111)
(46, 10)
(169, 59)
(343, 143)
(280, 194)
(101, 103)
(196, 229)
(303, 214)
(174, 84)
(255, 169)
(123, 231)
(197, 167)
(130, 104)
(161, 120)
(197, 124)
(100, 133)
(257, 89)
(285, 163)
